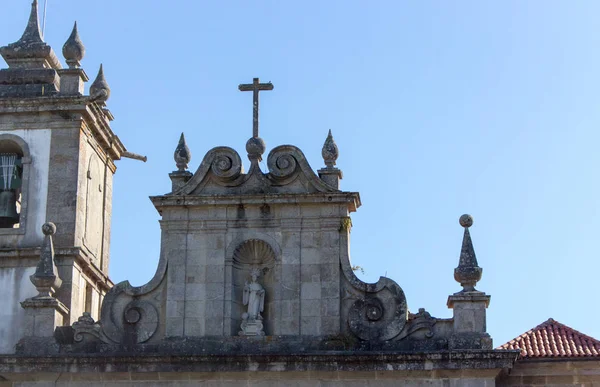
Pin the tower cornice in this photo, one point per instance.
(95, 117)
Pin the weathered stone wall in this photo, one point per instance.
(85, 295)
(94, 197)
(15, 286)
(263, 379)
(63, 183)
(557, 372)
(304, 298)
(332, 369)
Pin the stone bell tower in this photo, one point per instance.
(57, 154)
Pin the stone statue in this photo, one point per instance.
(254, 297)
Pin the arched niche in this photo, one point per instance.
(248, 255)
(15, 163)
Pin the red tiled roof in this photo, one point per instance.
(553, 339)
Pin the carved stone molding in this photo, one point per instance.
(221, 172)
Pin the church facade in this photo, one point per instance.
(254, 285)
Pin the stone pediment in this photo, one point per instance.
(221, 173)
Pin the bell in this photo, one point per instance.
(8, 209)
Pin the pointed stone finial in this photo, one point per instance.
(73, 49)
(32, 32)
(45, 278)
(182, 154)
(30, 51)
(330, 151)
(99, 90)
(330, 174)
(468, 272)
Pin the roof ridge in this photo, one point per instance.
(552, 338)
(572, 329)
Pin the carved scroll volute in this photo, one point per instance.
(283, 163)
(126, 319)
(225, 163)
(381, 314)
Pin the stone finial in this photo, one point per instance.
(73, 49)
(330, 174)
(32, 33)
(182, 154)
(330, 151)
(255, 147)
(30, 51)
(468, 273)
(99, 90)
(45, 278)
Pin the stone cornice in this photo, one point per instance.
(326, 361)
(96, 118)
(351, 198)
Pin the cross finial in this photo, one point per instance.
(255, 87)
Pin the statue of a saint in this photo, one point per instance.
(254, 297)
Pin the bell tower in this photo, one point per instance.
(57, 155)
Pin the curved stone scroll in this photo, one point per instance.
(129, 315)
(222, 164)
(379, 311)
(285, 164)
(381, 314)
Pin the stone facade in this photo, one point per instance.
(254, 285)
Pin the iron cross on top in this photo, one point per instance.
(255, 87)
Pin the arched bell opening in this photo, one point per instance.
(13, 159)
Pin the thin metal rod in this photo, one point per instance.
(44, 19)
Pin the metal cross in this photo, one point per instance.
(255, 87)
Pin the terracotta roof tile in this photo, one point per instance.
(553, 339)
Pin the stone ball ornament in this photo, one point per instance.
(466, 220)
(255, 146)
(49, 228)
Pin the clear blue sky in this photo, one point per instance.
(438, 108)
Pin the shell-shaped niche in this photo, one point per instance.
(254, 252)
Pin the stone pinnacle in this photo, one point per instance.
(468, 272)
(73, 49)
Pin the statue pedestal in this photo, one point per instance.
(252, 328)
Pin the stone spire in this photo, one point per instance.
(99, 90)
(30, 51)
(330, 174)
(45, 278)
(182, 154)
(330, 151)
(73, 49)
(32, 32)
(469, 305)
(468, 272)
